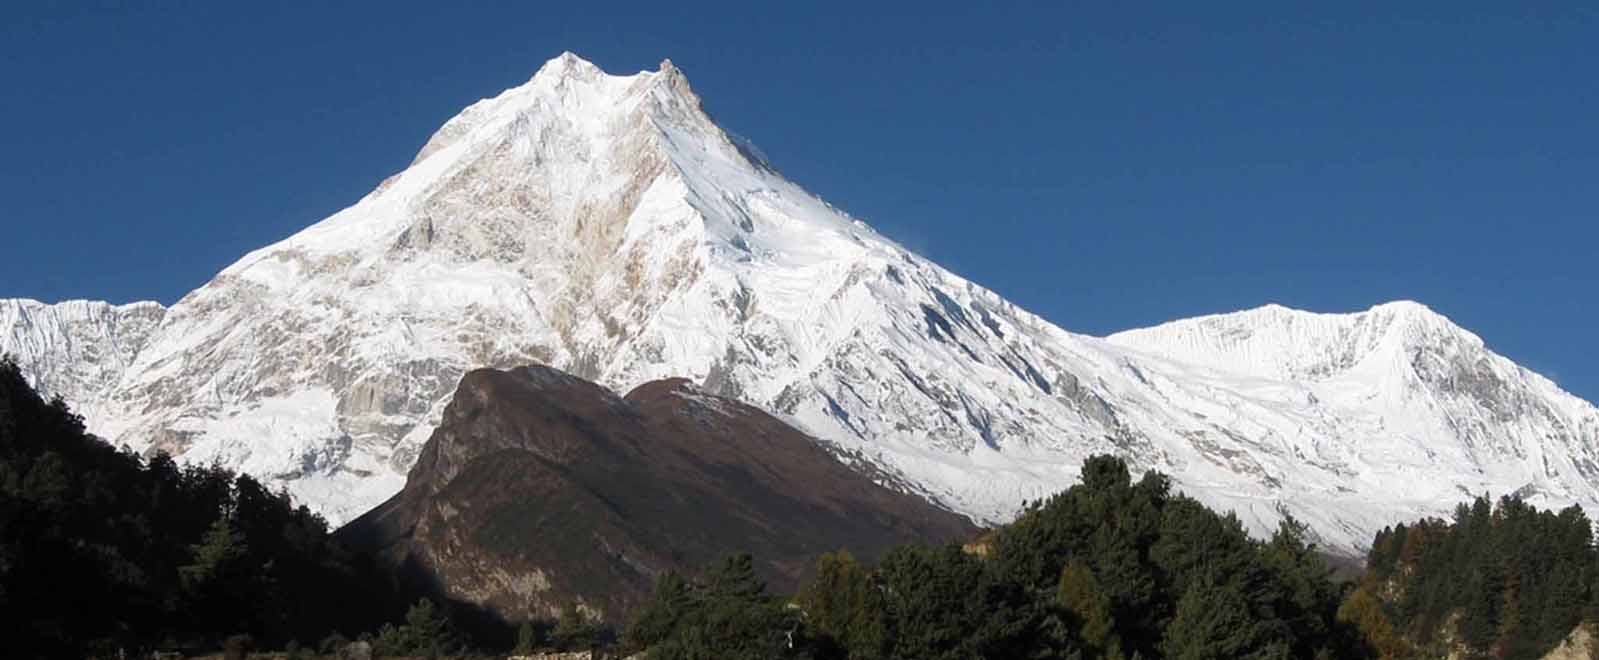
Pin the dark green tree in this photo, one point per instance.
(219, 583)
(844, 608)
(1089, 607)
(1215, 621)
(574, 631)
(726, 615)
(426, 632)
(527, 638)
(673, 599)
(734, 578)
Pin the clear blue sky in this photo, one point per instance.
(1105, 168)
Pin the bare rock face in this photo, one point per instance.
(541, 489)
(1579, 645)
(605, 225)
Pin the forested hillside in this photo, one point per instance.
(1500, 581)
(100, 550)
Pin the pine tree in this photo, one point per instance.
(672, 599)
(1080, 595)
(527, 639)
(1482, 606)
(728, 616)
(1364, 611)
(427, 632)
(935, 599)
(1105, 473)
(735, 578)
(1214, 621)
(573, 630)
(48, 482)
(216, 583)
(430, 628)
(842, 605)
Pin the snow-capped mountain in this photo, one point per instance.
(606, 226)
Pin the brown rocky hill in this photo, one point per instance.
(539, 488)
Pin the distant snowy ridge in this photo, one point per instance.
(1395, 406)
(606, 226)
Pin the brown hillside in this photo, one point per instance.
(540, 488)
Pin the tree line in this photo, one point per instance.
(1118, 569)
(1110, 568)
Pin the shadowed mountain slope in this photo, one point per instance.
(540, 488)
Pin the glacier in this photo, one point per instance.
(605, 225)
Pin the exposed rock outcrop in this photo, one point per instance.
(1579, 645)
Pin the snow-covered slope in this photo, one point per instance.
(77, 349)
(606, 226)
(1394, 410)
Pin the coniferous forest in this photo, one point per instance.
(1499, 581)
(102, 550)
(1111, 568)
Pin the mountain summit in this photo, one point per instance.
(606, 226)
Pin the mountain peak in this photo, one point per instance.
(1398, 308)
(1403, 306)
(1413, 315)
(573, 91)
(1389, 315)
(568, 64)
(1282, 342)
